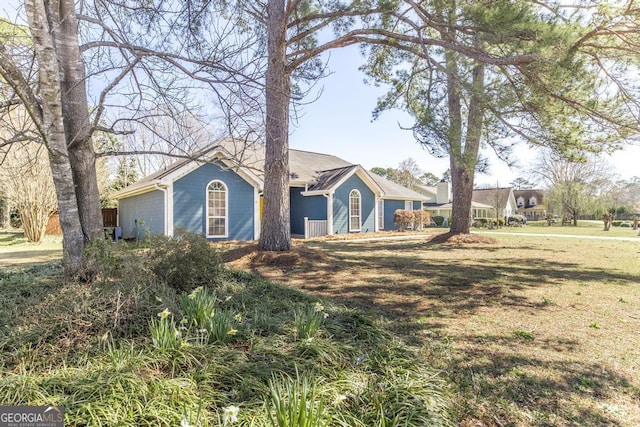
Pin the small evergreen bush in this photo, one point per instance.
(186, 262)
(517, 219)
(439, 220)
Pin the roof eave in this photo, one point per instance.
(147, 188)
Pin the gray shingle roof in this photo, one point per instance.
(487, 196)
(396, 191)
(317, 170)
(306, 167)
(328, 179)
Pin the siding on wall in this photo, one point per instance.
(142, 214)
(390, 206)
(341, 205)
(313, 207)
(189, 202)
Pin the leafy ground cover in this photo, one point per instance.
(136, 349)
(532, 330)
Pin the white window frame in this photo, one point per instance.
(381, 214)
(533, 201)
(520, 202)
(408, 205)
(352, 193)
(226, 209)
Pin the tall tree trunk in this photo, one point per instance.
(276, 227)
(40, 14)
(77, 124)
(463, 166)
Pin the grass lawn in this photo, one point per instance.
(15, 250)
(532, 331)
(584, 228)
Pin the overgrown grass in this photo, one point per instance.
(129, 350)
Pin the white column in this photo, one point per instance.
(306, 227)
(329, 213)
(256, 213)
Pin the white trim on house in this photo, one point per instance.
(165, 200)
(169, 210)
(351, 215)
(226, 210)
(329, 197)
(316, 193)
(221, 156)
(379, 214)
(152, 186)
(256, 212)
(364, 176)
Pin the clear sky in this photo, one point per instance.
(340, 123)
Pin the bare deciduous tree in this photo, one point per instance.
(574, 188)
(136, 57)
(28, 186)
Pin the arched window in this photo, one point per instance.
(520, 202)
(217, 202)
(533, 201)
(355, 210)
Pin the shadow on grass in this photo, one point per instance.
(565, 394)
(9, 239)
(392, 280)
(424, 292)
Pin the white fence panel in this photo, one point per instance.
(314, 228)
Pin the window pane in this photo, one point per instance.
(216, 209)
(354, 211)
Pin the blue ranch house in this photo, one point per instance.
(219, 195)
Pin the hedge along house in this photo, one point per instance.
(220, 196)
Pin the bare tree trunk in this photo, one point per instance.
(276, 227)
(39, 14)
(77, 125)
(463, 159)
(475, 120)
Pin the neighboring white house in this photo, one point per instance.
(440, 199)
(531, 204)
(501, 199)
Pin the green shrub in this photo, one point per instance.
(102, 261)
(480, 222)
(616, 223)
(438, 219)
(625, 225)
(517, 219)
(186, 262)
